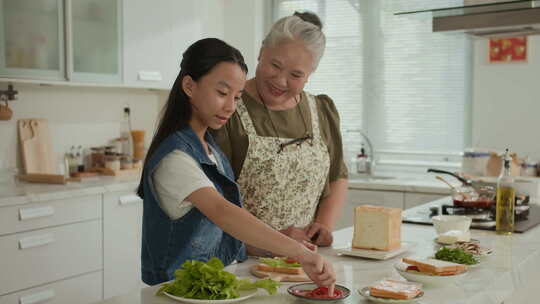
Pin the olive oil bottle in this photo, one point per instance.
(506, 196)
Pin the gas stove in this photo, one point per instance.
(527, 216)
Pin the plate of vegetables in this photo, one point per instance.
(457, 255)
(208, 282)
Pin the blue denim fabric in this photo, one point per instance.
(167, 243)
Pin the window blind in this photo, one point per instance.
(406, 87)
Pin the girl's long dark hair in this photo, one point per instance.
(198, 60)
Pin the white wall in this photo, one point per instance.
(77, 116)
(506, 101)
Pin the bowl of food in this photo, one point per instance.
(311, 292)
(445, 223)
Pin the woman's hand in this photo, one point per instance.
(319, 234)
(317, 268)
(298, 234)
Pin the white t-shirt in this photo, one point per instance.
(177, 176)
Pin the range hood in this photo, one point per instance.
(494, 19)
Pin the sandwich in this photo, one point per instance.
(434, 267)
(392, 289)
(280, 265)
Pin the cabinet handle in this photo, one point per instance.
(40, 297)
(129, 199)
(32, 213)
(35, 241)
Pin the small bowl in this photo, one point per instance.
(444, 223)
(310, 286)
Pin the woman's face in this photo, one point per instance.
(214, 96)
(283, 71)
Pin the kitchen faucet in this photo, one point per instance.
(370, 162)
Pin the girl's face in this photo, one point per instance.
(213, 97)
(283, 71)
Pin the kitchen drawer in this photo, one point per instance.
(42, 256)
(51, 213)
(81, 290)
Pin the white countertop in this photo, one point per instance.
(424, 183)
(515, 262)
(23, 192)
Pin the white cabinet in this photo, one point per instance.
(122, 228)
(52, 251)
(155, 35)
(61, 40)
(413, 199)
(357, 197)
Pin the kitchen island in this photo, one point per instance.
(508, 275)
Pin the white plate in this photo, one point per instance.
(365, 293)
(244, 294)
(375, 254)
(478, 258)
(427, 279)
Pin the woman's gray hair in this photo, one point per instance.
(299, 27)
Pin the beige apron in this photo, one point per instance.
(283, 189)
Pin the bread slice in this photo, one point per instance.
(287, 270)
(392, 289)
(436, 267)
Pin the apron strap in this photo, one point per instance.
(245, 119)
(314, 115)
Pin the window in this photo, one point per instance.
(406, 87)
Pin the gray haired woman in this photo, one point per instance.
(284, 144)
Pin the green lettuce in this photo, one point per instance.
(278, 262)
(208, 281)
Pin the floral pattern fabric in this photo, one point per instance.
(283, 189)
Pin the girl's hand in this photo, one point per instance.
(317, 268)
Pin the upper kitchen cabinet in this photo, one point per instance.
(32, 39)
(156, 33)
(94, 29)
(74, 40)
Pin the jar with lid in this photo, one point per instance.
(475, 162)
(126, 162)
(112, 161)
(529, 167)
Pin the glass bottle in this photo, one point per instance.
(125, 135)
(506, 195)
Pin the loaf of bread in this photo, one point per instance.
(377, 228)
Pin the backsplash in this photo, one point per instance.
(86, 116)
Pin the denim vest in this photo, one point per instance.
(166, 243)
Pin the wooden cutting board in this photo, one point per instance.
(280, 277)
(36, 146)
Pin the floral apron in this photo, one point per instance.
(283, 189)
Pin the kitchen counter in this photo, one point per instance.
(509, 274)
(419, 183)
(23, 192)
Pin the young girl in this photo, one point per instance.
(192, 206)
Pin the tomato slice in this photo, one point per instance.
(290, 261)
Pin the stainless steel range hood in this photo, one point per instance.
(499, 19)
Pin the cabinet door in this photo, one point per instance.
(94, 47)
(356, 198)
(31, 39)
(415, 199)
(122, 225)
(156, 33)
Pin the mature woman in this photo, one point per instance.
(284, 144)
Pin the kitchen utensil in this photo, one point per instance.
(36, 147)
(456, 190)
(44, 178)
(482, 188)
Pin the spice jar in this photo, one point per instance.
(126, 162)
(112, 161)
